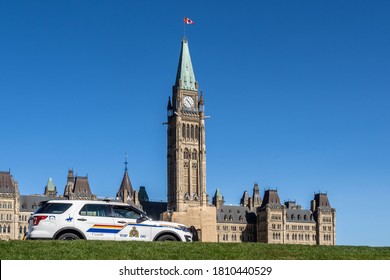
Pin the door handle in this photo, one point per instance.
(81, 219)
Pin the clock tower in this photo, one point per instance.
(186, 151)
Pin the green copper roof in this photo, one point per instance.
(50, 185)
(218, 193)
(185, 72)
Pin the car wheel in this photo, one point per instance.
(68, 236)
(166, 237)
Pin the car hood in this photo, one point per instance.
(167, 224)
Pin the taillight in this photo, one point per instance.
(37, 219)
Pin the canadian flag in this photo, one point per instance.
(188, 21)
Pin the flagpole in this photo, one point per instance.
(184, 26)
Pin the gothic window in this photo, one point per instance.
(299, 217)
(288, 236)
(188, 131)
(230, 218)
(186, 154)
(197, 132)
(192, 132)
(225, 218)
(4, 229)
(9, 229)
(194, 155)
(292, 216)
(20, 230)
(183, 131)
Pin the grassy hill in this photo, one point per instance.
(127, 250)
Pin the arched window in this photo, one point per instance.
(4, 229)
(299, 217)
(183, 131)
(186, 154)
(197, 132)
(188, 131)
(192, 132)
(230, 218)
(20, 230)
(194, 155)
(225, 218)
(305, 217)
(292, 216)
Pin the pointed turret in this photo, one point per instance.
(256, 201)
(244, 199)
(50, 189)
(185, 77)
(70, 184)
(169, 107)
(218, 199)
(125, 193)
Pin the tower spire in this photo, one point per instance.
(185, 77)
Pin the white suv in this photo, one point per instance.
(100, 220)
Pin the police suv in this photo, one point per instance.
(100, 220)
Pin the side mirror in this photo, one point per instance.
(143, 218)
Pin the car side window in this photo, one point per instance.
(96, 210)
(125, 212)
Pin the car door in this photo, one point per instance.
(134, 227)
(96, 222)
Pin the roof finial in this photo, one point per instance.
(126, 162)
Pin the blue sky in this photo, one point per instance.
(297, 92)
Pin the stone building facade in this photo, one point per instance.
(9, 206)
(274, 222)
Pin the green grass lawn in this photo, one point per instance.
(127, 250)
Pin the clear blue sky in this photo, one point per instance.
(298, 93)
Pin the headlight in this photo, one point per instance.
(183, 228)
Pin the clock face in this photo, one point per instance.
(188, 102)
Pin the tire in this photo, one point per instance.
(68, 236)
(166, 237)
